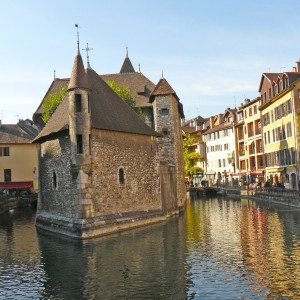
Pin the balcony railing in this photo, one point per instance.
(241, 152)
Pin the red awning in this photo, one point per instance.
(257, 172)
(16, 185)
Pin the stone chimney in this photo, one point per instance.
(211, 122)
(220, 116)
(298, 66)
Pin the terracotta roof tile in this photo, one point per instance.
(140, 86)
(14, 133)
(218, 128)
(188, 129)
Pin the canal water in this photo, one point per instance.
(217, 249)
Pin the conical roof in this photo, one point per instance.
(163, 88)
(127, 66)
(78, 78)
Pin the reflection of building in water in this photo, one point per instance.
(265, 251)
(146, 261)
(225, 229)
(12, 237)
(253, 231)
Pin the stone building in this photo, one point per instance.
(102, 169)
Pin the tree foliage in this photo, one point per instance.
(52, 102)
(190, 157)
(125, 94)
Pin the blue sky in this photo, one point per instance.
(212, 52)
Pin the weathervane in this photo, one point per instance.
(127, 52)
(87, 49)
(77, 26)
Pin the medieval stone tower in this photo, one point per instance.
(168, 112)
(80, 135)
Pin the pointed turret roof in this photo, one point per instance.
(78, 78)
(164, 88)
(127, 66)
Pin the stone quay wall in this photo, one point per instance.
(9, 202)
(287, 197)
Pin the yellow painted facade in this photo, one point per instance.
(22, 161)
(281, 172)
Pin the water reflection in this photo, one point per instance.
(243, 248)
(219, 249)
(147, 264)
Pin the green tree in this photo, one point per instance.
(125, 94)
(52, 102)
(190, 157)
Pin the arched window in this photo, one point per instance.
(121, 176)
(54, 180)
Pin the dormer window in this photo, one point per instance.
(78, 105)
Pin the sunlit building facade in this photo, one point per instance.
(249, 141)
(280, 104)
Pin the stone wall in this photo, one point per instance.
(148, 113)
(170, 147)
(56, 157)
(135, 154)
